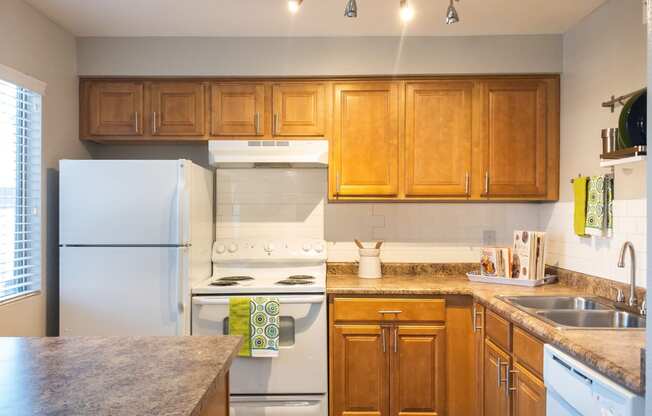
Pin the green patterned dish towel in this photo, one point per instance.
(599, 206)
(257, 320)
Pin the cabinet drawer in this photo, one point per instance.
(528, 351)
(498, 329)
(372, 309)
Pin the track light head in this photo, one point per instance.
(351, 9)
(293, 5)
(451, 14)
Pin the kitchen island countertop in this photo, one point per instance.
(112, 375)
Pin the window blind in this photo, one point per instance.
(20, 191)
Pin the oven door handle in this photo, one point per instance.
(300, 300)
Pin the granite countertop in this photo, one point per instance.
(112, 375)
(615, 353)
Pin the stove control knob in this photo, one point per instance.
(306, 247)
(319, 247)
(233, 248)
(220, 248)
(269, 247)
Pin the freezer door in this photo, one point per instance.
(122, 290)
(122, 202)
(279, 405)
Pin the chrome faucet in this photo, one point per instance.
(633, 300)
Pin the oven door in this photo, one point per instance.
(279, 405)
(301, 366)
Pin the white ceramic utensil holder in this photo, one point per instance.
(369, 266)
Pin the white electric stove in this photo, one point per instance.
(295, 382)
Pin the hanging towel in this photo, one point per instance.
(609, 183)
(599, 206)
(265, 326)
(579, 216)
(257, 320)
(239, 318)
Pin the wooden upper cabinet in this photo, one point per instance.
(496, 396)
(177, 108)
(114, 108)
(298, 109)
(528, 395)
(418, 369)
(237, 109)
(515, 133)
(438, 137)
(360, 365)
(365, 139)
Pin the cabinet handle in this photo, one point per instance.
(154, 122)
(467, 183)
(337, 183)
(384, 341)
(136, 119)
(395, 339)
(498, 375)
(486, 182)
(506, 379)
(257, 123)
(275, 127)
(476, 313)
(509, 378)
(395, 312)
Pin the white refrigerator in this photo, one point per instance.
(133, 236)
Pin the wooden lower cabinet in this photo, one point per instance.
(418, 370)
(478, 345)
(528, 394)
(218, 403)
(496, 395)
(360, 365)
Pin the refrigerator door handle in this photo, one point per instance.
(181, 206)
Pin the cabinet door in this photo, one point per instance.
(478, 343)
(515, 131)
(115, 108)
(418, 370)
(360, 368)
(298, 109)
(365, 138)
(177, 109)
(496, 393)
(529, 393)
(438, 138)
(237, 109)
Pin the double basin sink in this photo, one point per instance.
(576, 312)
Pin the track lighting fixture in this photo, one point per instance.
(293, 5)
(451, 14)
(406, 12)
(351, 9)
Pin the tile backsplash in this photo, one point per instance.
(597, 256)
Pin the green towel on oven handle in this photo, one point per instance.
(265, 326)
(239, 322)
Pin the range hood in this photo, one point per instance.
(268, 153)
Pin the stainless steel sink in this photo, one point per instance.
(556, 302)
(593, 319)
(577, 312)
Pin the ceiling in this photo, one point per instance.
(315, 18)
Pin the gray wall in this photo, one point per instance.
(598, 63)
(319, 56)
(34, 45)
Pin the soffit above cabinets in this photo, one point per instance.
(251, 18)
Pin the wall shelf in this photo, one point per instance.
(605, 163)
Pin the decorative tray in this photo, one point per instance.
(474, 277)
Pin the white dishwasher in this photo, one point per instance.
(573, 389)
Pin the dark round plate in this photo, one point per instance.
(636, 121)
